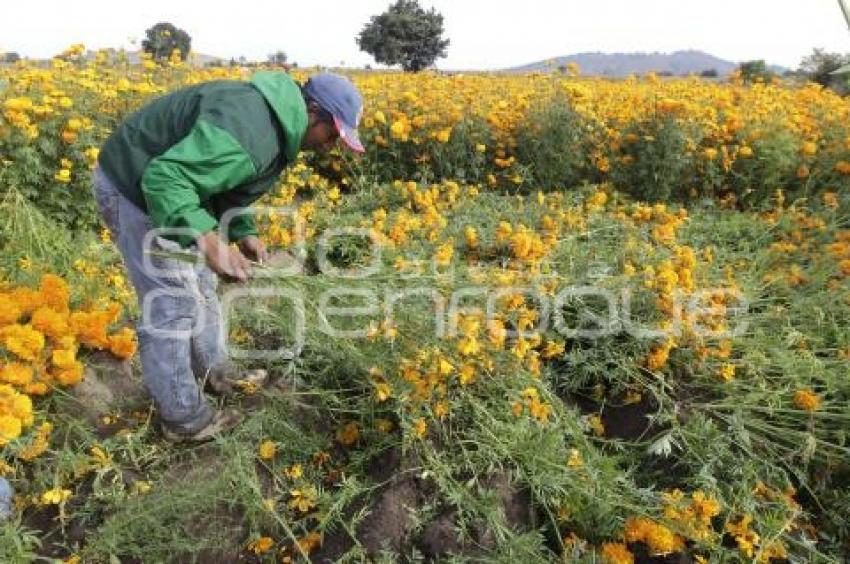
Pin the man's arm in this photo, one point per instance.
(208, 161)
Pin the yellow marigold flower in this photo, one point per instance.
(55, 496)
(468, 346)
(830, 199)
(382, 391)
(745, 152)
(348, 434)
(471, 236)
(23, 341)
(747, 539)
(294, 472)
(10, 429)
(807, 400)
(843, 167)
(303, 499)
(39, 443)
(64, 358)
(575, 460)
(384, 425)
(466, 374)
(267, 450)
(553, 349)
(420, 428)
(10, 312)
(727, 372)
(444, 253)
(310, 542)
(63, 176)
(504, 231)
(16, 373)
(596, 425)
(809, 148)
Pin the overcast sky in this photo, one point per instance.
(484, 33)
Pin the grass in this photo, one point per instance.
(203, 503)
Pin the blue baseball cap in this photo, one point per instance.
(340, 98)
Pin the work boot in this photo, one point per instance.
(222, 421)
(227, 377)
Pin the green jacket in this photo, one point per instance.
(189, 156)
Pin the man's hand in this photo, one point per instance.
(222, 259)
(253, 248)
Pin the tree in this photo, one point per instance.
(752, 71)
(10, 57)
(163, 38)
(278, 58)
(405, 35)
(818, 67)
(709, 73)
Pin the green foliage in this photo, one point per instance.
(654, 163)
(553, 145)
(755, 71)
(819, 66)
(405, 35)
(18, 544)
(163, 38)
(774, 164)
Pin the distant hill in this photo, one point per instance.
(624, 64)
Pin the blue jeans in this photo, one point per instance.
(180, 329)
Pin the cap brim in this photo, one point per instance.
(349, 136)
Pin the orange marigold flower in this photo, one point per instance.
(10, 312)
(16, 373)
(807, 400)
(123, 343)
(54, 292)
(50, 322)
(617, 553)
(70, 375)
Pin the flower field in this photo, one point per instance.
(588, 321)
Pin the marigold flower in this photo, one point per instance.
(807, 400)
(123, 343)
(261, 545)
(22, 340)
(16, 373)
(267, 450)
(617, 553)
(55, 496)
(10, 429)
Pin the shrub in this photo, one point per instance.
(654, 162)
(553, 145)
